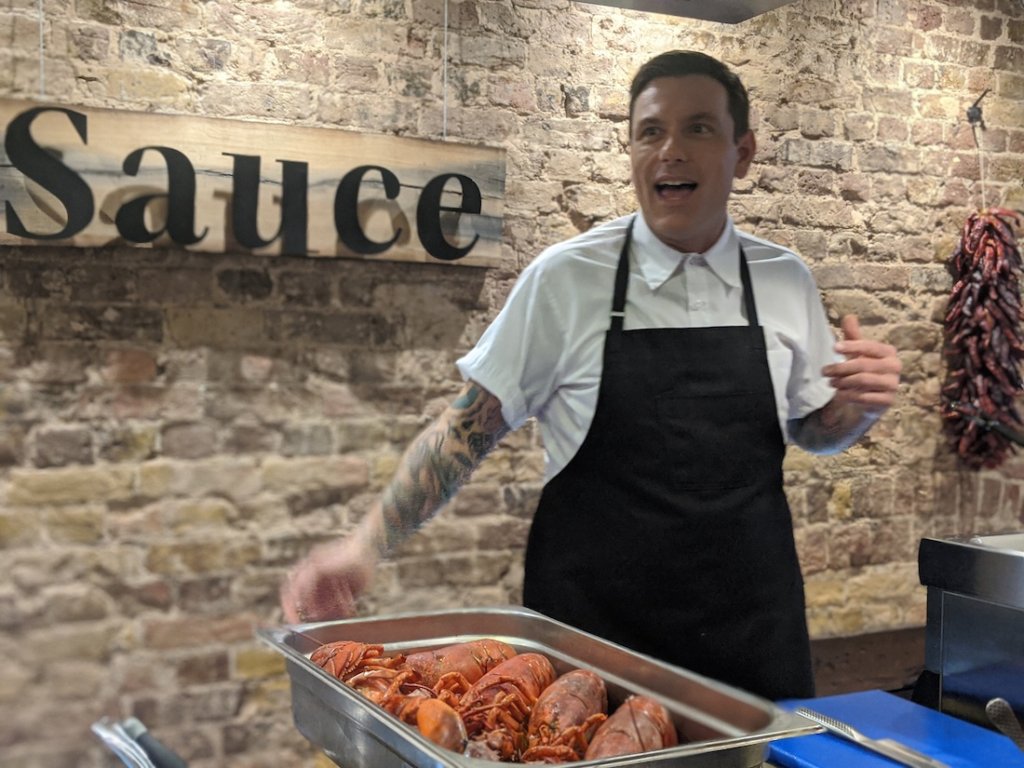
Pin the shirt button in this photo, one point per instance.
(698, 304)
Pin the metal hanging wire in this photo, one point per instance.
(975, 118)
(444, 76)
(42, 50)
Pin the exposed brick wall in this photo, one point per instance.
(178, 428)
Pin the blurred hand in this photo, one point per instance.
(327, 582)
(870, 375)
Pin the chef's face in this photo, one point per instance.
(684, 156)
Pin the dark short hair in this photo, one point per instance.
(680, 63)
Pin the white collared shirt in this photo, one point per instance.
(542, 356)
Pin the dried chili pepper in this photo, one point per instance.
(982, 337)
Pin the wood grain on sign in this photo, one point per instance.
(376, 215)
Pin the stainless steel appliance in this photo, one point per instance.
(720, 726)
(974, 643)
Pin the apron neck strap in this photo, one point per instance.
(621, 281)
(618, 312)
(748, 291)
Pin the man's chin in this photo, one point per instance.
(673, 229)
(689, 230)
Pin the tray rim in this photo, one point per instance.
(782, 723)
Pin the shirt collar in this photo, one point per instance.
(657, 262)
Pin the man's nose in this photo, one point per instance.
(672, 148)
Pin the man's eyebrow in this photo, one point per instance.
(708, 116)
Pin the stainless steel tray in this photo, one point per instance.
(721, 726)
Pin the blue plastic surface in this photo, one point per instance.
(882, 715)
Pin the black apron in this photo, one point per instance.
(669, 532)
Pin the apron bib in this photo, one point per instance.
(669, 532)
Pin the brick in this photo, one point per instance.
(892, 159)
(19, 528)
(812, 544)
(337, 328)
(919, 74)
(69, 485)
(1010, 58)
(75, 525)
(233, 478)
(182, 286)
(871, 277)
(15, 681)
(281, 101)
(81, 642)
(12, 441)
(218, 702)
(822, 154)
(304, 66)
(217, 328)
(346, 472)
(92, 323)
(960, 21)
(88, 42)
(60, 446)
(307, 440)
(244, 285)
(201, 668)
(250, 438)
(188, 441)
(304, 289)
(205, 54)
(130, 366)
(189, 514)
(148, 86)
(255, 663)
(991, 28)
(164, 634)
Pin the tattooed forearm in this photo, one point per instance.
(438, 462)
(831, 429)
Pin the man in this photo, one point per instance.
(664, 354)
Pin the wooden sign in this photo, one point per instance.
(93, 177)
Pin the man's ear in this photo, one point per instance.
(746, 146)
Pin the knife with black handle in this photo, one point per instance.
(158, 753)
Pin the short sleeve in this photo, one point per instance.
(518, 357)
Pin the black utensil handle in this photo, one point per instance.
(161, 755)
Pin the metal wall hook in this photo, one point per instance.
(974, 116)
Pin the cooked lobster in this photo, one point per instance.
(565, 717)
(483, 699)
(471, 660)
(441, 724)
(639, 724)
(345, 658)
(497, 708)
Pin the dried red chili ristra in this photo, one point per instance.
(983, 344)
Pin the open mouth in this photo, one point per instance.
(670, 190)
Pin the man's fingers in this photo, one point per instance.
(869, 360)
(851, 328)
(288, 602)
(868, 381)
